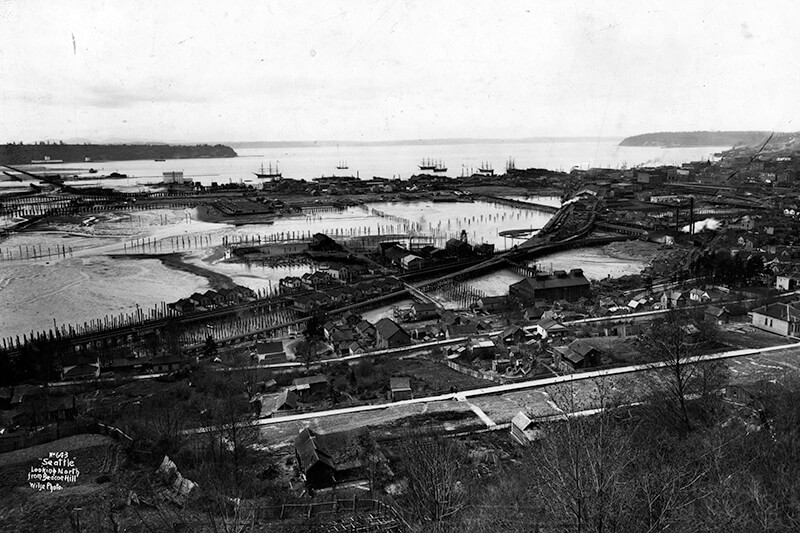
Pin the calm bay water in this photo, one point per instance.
(388, 161)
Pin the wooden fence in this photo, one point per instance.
(18, 441)
(472, 372)
(327, 508)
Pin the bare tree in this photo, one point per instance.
(578, 468)
(437, 479)
(675, 341)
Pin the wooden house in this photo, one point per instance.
(400, 388)
(390, 335)
(328, 459)
(310, 385)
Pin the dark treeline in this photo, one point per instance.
(697, 138)
(720, 267)
(20, 154)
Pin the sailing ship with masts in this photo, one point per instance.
(440, 166)
(342, 165)
(269, 172)
(427, 164)
(486, 168)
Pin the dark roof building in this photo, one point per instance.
(266, 405)
(424, 310)
(550, 287)
(579, 354)
(327, 459)
(720, 315)
(490, 304)
(390, 335)
(270, 352)
(309, 385)
(458, 247)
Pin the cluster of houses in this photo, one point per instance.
(329, 459)
(270, 401)
(351, 334)
(392, 253)
(213, 299)
(341, 294)
(713, 298)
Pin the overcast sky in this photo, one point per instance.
(234, 71)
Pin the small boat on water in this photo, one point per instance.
(269, 172)
(159, 159)
(46, 161)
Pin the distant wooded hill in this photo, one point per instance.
(672, 139)
(20, 154)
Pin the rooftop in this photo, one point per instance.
(786, 312)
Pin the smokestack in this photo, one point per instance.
(677, 221)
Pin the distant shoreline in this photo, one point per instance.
(54, 153)
(686, 139)
(412, 142)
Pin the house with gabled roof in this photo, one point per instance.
(424, 310)
(364, 329)
(699, 295)
(448, 317)
(214, 298)
(389, 334)
(492, 304)
(184, 305)
(532, 313)
(513, 335)
(454, 331)
(718, 315)
(268, 405)
(578, 355)
(357, 347)
(315, 280)
(309, 385)
(549, 328)
(527, 426)
(270, 352)
(199, 300)
(673, 299)
(780, 318)
(341, 339)
(559, 285)
(329, 459)
(80, 367)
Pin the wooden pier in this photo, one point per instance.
(517, 203)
